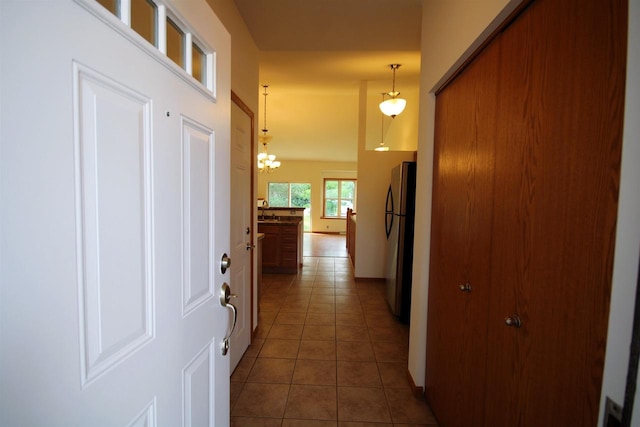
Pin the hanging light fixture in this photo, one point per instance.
(394, 105)
(382, 147)
(266, 162)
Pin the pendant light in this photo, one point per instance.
(382, 147)
(394, 105)
(266, 162)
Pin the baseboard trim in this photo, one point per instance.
(417, 391)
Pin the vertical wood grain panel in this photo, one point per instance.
(461, 243)
(535, 236)
(557, 173)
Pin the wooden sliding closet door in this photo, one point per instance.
(526, 177)
(556, 187)
(461, 243)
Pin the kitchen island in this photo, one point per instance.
(282, 243)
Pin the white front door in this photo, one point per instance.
(241, 227)
(114, 215)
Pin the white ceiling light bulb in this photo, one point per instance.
(394, 105)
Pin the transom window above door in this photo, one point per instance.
(155, 22)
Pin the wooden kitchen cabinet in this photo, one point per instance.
(282, 247)
(271, 248)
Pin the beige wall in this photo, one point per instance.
(374, 175)
(451, 30)
(401, 132)
(314, 173)
(244, 53)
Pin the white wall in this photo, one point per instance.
(451, 30)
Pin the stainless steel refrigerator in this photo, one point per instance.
(399, 220)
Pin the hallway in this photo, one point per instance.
(327, 353)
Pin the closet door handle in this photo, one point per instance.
(466, 287)
(513, 321)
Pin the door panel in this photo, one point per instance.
(557, 173)
(461, 243)
(114, 221)
(197, 141)
(110, 242)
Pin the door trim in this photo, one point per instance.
(245, 108)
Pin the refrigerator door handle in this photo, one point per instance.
(388, 223)
(389, 202)
(388, 217)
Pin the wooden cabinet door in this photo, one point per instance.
(289, 246)
(271, 245)
(461, 244)
(556, 187)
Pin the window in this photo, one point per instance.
(149, 18)
(198, 64)
(339, 194)
(111, 6)
(175, 43)
(144, 15)
(297, 195)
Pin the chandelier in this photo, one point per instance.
(266, 162)
(394, 105)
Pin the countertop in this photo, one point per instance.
(280, 208)
(286, 221)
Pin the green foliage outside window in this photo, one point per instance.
(279, 194)
(339, 194)
(297, 195)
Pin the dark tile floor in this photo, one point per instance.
(327, 353)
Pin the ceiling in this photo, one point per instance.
(314, 55)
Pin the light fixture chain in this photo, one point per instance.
(264, 127)
(266, 162)
(393, 85)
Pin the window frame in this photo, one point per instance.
(339, 198)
